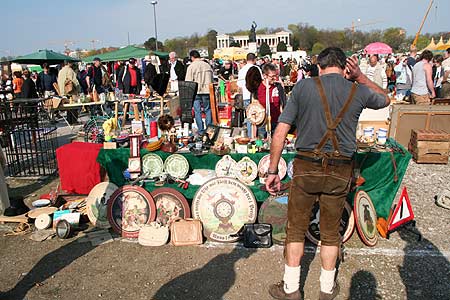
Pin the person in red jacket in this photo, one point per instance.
(270, 76)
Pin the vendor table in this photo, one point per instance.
(79, 171)
(377, 169)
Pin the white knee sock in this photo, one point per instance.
(327, 280)
(291, 279)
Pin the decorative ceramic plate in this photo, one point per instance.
(129, 208)
(152, 165)
(263, 167)
(176, 165)
(170, 204)
(290, 169)
(224, 205)
(246, 170)
(225, 167)
(366, 218)
(41, 203)
(274, 212)
(97, 204)
(346, 227)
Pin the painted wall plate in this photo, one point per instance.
(170, 204)
(274, 212)
(224, 205)
(263, 167)
(246, 170)
(226, 167)
(152, 165)
(346, 227)
(366, 218)
(97, 204)
(129, 208)
(176, 165)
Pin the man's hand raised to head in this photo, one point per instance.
(352, 70)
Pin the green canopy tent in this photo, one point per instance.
(43, 56)
(124, 54)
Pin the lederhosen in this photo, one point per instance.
(320, 175)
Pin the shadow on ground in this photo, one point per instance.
(46, 267)
(424, 276)
(210, 282)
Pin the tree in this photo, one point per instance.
(235, 44)
(394, 37)
(281, 47)
(150, 44)
(317, 48)
(264, 50)
(212, 41)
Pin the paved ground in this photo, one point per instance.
(398, 268)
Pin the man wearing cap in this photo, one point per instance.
(130, 78)
(200, 72)
(325, 110)
(94, 76)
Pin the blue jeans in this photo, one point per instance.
(202, 99)
(249, 124)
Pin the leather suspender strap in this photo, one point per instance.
(332, 125)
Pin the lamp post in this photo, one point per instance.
(154, 17)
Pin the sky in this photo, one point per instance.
(46, 24)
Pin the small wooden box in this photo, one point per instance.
(429, 146)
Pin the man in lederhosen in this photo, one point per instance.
(325, 110)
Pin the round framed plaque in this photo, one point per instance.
(152, 165)
(226, 166)
(274, 211)
(366, 218)
(170, 204)
(256, 112)
(97, 204)
(346, 227)
(263, 167)
(129, 208)
(177, 166)
(224, 205)
(246, 170)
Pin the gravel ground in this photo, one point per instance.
(398, 268)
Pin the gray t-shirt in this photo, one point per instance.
(305, 110)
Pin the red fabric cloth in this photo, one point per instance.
(133, 76)
(79, 171)
(274, 100)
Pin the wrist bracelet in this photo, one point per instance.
(272, 172)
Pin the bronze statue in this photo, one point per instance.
(252, 35)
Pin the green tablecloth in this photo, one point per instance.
(116, 161)
(377, 170)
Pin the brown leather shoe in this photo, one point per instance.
(326, 296)
(277, 292)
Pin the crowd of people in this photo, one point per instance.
(414, 78)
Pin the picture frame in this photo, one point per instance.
(212, 131)
(235, 132)
(223, 132)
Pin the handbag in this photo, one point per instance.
(256, 235)
(185, 232)
(153, 234)
(68, 86)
